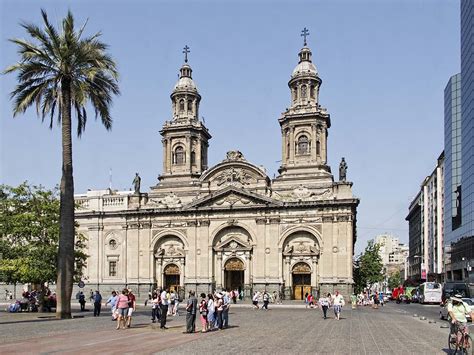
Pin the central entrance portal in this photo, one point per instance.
(234, 274)
(301, 274)
(171, 277)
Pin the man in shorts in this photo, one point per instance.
(131, 307)
(337, 303)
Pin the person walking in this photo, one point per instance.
(132, 301)
(82, 301)
(211, 312)
(113, 303)
(203, 313)
(191, 308)
(354, 301)
(255, 298)
(172, 301)
(225, 312)
(164, 308)
(324, 303)
(122, 307)
(97, 298)
(266, 299)
(338, 302)
(155, 304)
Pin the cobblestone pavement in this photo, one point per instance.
(280, 330)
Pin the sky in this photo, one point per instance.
(384, 66)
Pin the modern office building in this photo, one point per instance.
(425, 220)
(459, 140)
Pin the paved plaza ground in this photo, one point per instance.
(281, 330)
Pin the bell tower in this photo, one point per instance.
(185, 137)
(304, 125)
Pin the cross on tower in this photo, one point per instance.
(304, 33)
(186, 51)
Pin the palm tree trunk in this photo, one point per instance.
(66, 234)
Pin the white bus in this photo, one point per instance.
(430, 292)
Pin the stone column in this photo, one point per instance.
(159, 272)
(324, 147)
(165, 152)
(218, 270)
(188, 153)
(314, 273)
(292, 144)
(198, 156)
(284, 156)
(169, 159)
(314, 139)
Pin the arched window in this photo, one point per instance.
(193, 158)
(190, 105)
(303, 91)
(311, 91)
(295, 94)
(179, 156)
(318, 148)
(181, 105)
(303, 145)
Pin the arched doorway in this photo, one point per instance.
(301, 279)
(171, 276)
(234, 274)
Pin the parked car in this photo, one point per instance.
(443, 312)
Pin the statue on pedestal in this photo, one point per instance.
(342, 170)
(136, 183)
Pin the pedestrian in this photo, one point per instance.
(155, 310)
(211, 312)
(191, 308)
(338, 302)
(324, 303)
(97, 303)
(225, 311)
(113, 303)
(82, 301)
(306, 299)
(375, 300)
(266, 299)
(164, 308)
(354, 301)
(255, 299)
(235, 293)
(172, 298)
(203, 312)
(381, 301)
(311, 300)
(219, 308)
(122, 307)
(132, 301)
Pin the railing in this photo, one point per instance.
(112, 201)
(82, 203)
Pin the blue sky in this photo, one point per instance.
(384, 66)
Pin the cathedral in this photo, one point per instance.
(229, 226)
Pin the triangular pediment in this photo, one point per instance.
(232, 197)
(232, 244)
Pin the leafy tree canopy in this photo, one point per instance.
(368, 267)
(29, 235)
(394, 280)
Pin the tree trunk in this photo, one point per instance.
(66, 236)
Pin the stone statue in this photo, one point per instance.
(136, 183)
(342, 170)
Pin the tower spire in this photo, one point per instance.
(304, 34)
(186, 51)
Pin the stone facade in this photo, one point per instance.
(229, 225)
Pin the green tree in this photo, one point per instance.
(394, 280)
(368, 267)
(61, 71)
(29, 235)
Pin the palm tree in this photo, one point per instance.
(60, 72)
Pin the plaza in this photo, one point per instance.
(289, 329)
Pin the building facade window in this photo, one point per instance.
(179, 156)
(181, 105)
(303, 145)
(303, 92)
(311, 91)
(112, 268)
